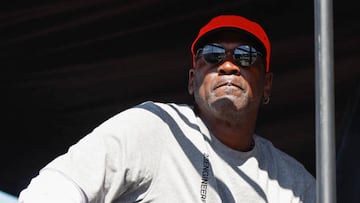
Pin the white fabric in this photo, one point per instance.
(158, 152)
(52, 186)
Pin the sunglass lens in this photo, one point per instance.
(245, 55)
(213, 54)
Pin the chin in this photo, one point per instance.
(228, 104)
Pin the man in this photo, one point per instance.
(209, 152)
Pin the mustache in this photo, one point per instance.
(229, 81)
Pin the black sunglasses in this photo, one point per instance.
(243, 55)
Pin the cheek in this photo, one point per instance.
(256, 86)
(203, 85)
(199, 86)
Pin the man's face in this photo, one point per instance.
(227, 89)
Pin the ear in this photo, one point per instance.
(268, 84)
(191, 81)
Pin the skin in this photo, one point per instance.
(227, 96)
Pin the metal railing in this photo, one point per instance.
(324, 88)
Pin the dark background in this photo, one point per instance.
(66, 66)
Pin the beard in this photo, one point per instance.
(226, 107)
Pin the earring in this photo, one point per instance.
(266, 100)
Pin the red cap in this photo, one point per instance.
(235, 22)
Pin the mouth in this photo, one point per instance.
(229, 83)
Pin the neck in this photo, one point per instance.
(237, 135)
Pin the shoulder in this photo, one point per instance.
(147, 117)
(146, 126)
(281, 166)
(275, 153)
(269, 151)
(150, 108)
(166, 108)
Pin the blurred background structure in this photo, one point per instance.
(7, 198)
(66, 66)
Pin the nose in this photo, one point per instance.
(228, 68)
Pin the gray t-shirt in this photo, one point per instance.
(157, 152)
